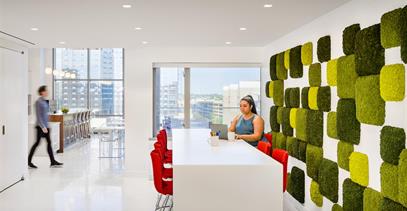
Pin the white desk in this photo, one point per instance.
(232, 176)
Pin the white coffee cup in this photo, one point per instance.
(231, 136)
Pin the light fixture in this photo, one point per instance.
(138, 28)
(228, 43)
(67, 75)
(126, 6)
(268, 6)
(73, 76)
(62, 42)
(55, 72)
(34, 29)
(144, 42)
(62, 73)
(48, 71)
(242, 28)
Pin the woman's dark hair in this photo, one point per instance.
(249, 99)
(42, 89)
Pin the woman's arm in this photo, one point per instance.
(232, 127)
(258, 124)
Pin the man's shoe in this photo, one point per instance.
(31, 165)
(56, 164)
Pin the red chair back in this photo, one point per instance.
(162, 139)
(269, 138)
(282, 157)
(157, 170)
(264, 147)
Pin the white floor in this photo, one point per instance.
(84, 183)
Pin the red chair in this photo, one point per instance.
(162, 139)
(282, 157)
(159, 147)
(269, 137)
(264, 147)
(164, 188)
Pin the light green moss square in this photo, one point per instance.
(346, 76)
(306, 53)
(332, 69)
(293, 117)
(314, 156)
(281, 70)
(316, 195)
(371, 200)
(392, 82)
(332, 129)
(301, 124)
(278, 92)
(402, 169)
(287, 59)
(390, 29)
(313, 98)
(344, 150)
(359, 168)
(389, 181)
(280, 115)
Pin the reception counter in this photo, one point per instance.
(231, 176)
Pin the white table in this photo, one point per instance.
(232, 176)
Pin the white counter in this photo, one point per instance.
(231, 176)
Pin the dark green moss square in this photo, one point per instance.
(295, 148)
(315, 127)
(297, 184)
(402, 169)
(314, 156)
(281, 70)
(324, 98)
(390, 29)
(281, 141)
(352, 194)
(280, 115)
(336, 207)
(273, 67)
(304, 97)
(287, 97)
(267, 89)
(314, 74)
(289, 145)
(331, 126)
(273, 119)
(295, 97)
(369, 51)
(302, 151)
(328, 179)
(287, 129)
(348, 39)
(392, 142)
(278, 93)
(346, 77)
(344, 150)
(347, 125)
(324, 49)
(296, 67)
(390, 205)
(403, 34)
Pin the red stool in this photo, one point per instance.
(264, 147)
(282, 157)
(164, 188)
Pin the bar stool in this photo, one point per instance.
(164, 188)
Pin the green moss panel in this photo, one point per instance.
(331, 127)
(346, 77)
(347, 125)
(344, 150)
(287, 59)
(324, 49)
(301, 123)
(331, 72)
(306, 53)
(403, 34)
(274, 125)
(369, 51)
(316, 195)
(388, 204)
(352, 196)
(336, 207)
(389, 181)
(273, 67)
(314, 74)
(281, 70)
(280, 115)
(313, 98)
(372, 200)
(280, 141)
(392, 142)
(315, 128)
(293, 117)
(297, 184)
(302, 151)
(314, 156)
(324, 98)
(296, 66)
(287, 129)
(304, 97)
(328, 179)
(278, 93)
(359, 168)
(267, 89)
(402, 169)
(348, 38)
(291, 141)
(392, 82)
(390, 29)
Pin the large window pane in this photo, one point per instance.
(71, 94)
(74, 61)
(106, 97)
(106, 63)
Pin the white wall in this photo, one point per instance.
(139, 90)
(365, 12)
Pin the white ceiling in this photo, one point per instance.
(104, 23)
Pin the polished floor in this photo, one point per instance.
(85, 183)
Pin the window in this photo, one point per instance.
(91, 79)
(197, 96)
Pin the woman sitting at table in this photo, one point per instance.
(248, 126)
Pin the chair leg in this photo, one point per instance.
(165, 203)
(159, 196)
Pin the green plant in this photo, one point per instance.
(344, 151)
(297, 184)
(65, 110)
(328, 179)
(314, 74)
(371, 199)
(315, 127)
(389, 181)
(324, 98)
(274, 125)
(316, 196)
(278, 92)
(313, 97)
(359, 168)
(280, 115)
(280, 142)
(324, 49)
(331, 127)
(281, 70)
(295, 97)
(304, 97)
(287, 129)
(306, 53)
(314, 156)
(287, 59)
(368, 51)
(293, 117)
(296, 67)
(348, 39)
(392, 82)
(403, 178)
(388, 204)
(331, 72)
(390, 29)
(347, 125)
(301, 123)
(302, 151)
(352, 195)
(403, 34)
(392, 142)
(346, 77)
(273, 67)
(336, 207)
(370, 107)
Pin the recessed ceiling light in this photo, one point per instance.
(268, 5)
(62, 43)
(126, 6)
(34, 29)
(228, 43)
(138, 28)
(243, 28)
(144, 42)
